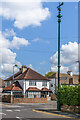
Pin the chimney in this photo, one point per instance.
(23, 68)
(69, 73)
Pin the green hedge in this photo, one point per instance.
(69, 95)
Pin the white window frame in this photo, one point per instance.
(44, 83)
(32, 83)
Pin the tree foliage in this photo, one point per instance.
(49, 74)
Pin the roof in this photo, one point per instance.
(2, 83)
(28, 74)
(15, 75)
(45, 89)
(15, 86)
(33, 89)
(65, 78)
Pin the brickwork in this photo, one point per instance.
(72, 109)
(11, 98)
(24, 100)
(30, 100)
(53, 97)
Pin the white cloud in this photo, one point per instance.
(69, 56)
(3, 41)
(42, 1)
(24, 13)
(17, 42)
(35, 40)
(30, 66)
(7, 56)
(8, 68)
(8, 33)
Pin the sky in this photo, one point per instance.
(29, 36)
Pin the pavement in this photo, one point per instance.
(32, 111)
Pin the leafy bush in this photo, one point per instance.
(79, 94)
(69, 95)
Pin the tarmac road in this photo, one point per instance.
(31, 112)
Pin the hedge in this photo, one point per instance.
(69, 95)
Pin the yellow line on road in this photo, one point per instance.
(10, 105)
(52, 114)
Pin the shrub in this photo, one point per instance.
(69, 95)
(79, 94)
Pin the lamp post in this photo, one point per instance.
(59, 20)
(13, 71)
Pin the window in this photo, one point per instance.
(8, 83)
(32, 83)
(44, 83)
(32, 94)
(51, 85)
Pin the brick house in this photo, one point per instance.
(28, 83)
(65, 79)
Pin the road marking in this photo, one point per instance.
(52, 114)
(11, 105)
(17, 110)
(19, 118)
(9, 110)
(3, 113)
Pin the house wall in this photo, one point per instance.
(25, 84)
(32, 94)
(38, 84)
(53, 84)
(21, 82)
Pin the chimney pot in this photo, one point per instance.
(69, 73)
(23, 68)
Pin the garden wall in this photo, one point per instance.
(30, 100)
(72, 109)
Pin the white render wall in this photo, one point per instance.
(21, 82)
(25, 84)
(38, 84)
(53, 82)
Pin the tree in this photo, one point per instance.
(49, 74)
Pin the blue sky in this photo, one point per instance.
(43, 39)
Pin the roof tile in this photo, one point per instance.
(15, 86)
(30, 74)
(45, 89)
(33, 89)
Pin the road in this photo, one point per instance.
(22, 111)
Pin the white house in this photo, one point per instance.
(27, 82)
